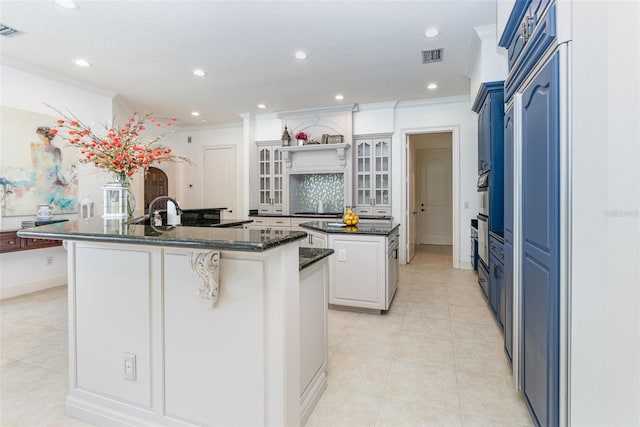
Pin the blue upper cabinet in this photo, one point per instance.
(489, 105)
(519, 31)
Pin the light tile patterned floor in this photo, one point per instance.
(435, 358)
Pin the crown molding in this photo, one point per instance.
(433, 101)
(378, 106)
(319, 110)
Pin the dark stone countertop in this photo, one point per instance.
(309, 256)
(115, 231)
(360, 229)
(327, 216)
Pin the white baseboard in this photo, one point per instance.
(27, 288)
(465, 265)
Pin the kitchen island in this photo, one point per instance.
(363, 274)
(192, 325)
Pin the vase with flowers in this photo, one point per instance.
(302, 138)
(120, 150)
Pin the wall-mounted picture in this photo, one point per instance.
(35, 166)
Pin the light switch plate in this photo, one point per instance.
(130, 366)
(342, 255)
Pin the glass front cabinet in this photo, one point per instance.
(372, 158)
(270, 179)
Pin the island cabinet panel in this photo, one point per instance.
(314, 301)
(196, 363)
(193, 360)
(358, 269)
(112, 294)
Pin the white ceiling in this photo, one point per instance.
(145, 51)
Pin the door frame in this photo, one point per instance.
(455, 167)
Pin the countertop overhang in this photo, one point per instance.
(360, 229)
(115, 231)
(309, 256)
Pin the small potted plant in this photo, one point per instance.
(302, 138)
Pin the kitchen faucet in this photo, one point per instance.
(178, 209)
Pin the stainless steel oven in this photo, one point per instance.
(483, 194)
(483, 239)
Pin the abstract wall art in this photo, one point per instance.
(36, 167)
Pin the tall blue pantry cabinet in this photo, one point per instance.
(533, 210)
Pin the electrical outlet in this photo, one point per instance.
(342, 255)
(466, 205)
(129, 366)
(49, 260)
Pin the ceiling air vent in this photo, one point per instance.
(433, 55)
(7, 31)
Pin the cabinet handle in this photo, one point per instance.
(311, 239)
(525, 30)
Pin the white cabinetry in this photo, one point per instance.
(270, 223)
(372, 158)
(314, 240)
(270, 178)
(313, 335)
(364, 270)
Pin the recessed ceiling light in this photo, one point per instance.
(195, 113)
(432, 86)
(431, 32)
(262, 106)
(200, 73)
(67, 4)
(339, 97)
(300, 54)
(82, 63)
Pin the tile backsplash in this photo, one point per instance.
(307, 190)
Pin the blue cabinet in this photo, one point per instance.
(484, 137)
(540, 244)
(508, 232)
(496, 279)
(489, 105)
(483, 278)
(525, 18)
(533, 87)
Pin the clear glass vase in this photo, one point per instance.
(124, 180)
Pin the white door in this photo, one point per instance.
(219, 179)
(435, 207)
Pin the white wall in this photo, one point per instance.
(489, 63)
(605, 203)
(190, 191)
(430, 116)
(23, 89)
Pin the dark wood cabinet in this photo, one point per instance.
(10, 242)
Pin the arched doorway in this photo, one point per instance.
(156, 184)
